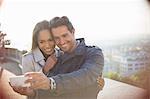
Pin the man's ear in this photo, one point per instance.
(73, 31)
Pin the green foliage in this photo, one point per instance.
(113, 75)
(139, 79)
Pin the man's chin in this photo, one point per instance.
(64, 49)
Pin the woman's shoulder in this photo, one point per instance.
(27, 55)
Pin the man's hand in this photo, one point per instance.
(100, 82)
(38, 80)
(50, 62)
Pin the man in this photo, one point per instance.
(76, 72)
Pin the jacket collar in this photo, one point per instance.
(37, 54)
(80, 49)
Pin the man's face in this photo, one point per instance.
(64, 39)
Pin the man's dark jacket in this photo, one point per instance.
(76, 74)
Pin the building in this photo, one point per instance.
(132, 61)
(10, 58)
(127, 58)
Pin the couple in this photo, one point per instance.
(72, 72)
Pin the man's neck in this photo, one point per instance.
(76, 43)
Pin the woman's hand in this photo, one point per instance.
(50, 62)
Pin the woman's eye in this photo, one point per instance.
(41, 42)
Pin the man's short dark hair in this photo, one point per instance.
(60, 21)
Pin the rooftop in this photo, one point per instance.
(118, 90)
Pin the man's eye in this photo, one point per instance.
(65, 35)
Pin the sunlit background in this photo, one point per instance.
(95, 20)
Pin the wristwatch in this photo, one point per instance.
(52, 83)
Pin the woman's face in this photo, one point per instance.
(45, 42)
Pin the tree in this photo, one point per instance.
(113, 75)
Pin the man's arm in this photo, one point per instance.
(84, 77)
(66, 83)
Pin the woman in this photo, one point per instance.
(42, 47)
(42, 56)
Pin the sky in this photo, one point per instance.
(95, 20)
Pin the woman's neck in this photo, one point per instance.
(46, 55)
